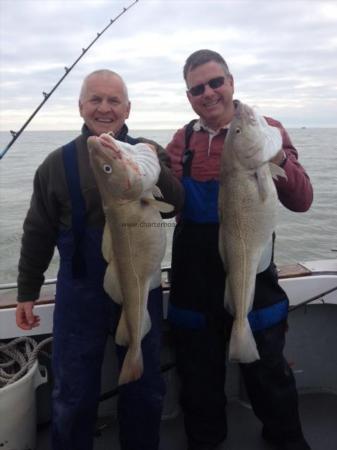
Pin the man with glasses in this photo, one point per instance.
(201, 326)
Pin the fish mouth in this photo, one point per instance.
(103, 145)
(106, 141)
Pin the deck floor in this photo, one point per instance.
(318, 414)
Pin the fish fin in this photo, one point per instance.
(242, 345)
(262, 182)
(277, 171)
(272, 138)
(107, 244)
(159, 205)
(156, 192)
(228, 304)
(266, 256)
(111, 284)
(133, 366)
(146, 323)
(122, 334)
(222, 250)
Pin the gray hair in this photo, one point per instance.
(104, 73)
(201, 57)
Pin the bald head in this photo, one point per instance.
(102, 74)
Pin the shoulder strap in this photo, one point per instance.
(78, 208)
(189, 132)
(188, 153)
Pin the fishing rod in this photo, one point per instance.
(16, 134)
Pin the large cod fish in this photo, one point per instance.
(133, 240)
(247, 212)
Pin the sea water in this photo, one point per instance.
(300, 236)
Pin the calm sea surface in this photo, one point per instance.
(300, 236)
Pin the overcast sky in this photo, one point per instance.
(283, 56)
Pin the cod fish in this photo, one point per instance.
(247, 206)
(133, 240)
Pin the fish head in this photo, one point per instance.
(244, 139)
(116, 174)
(250, 139)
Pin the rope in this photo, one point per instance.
(17, 357)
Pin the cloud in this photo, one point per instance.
(283, 56)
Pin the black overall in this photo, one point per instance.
(201, 329)
(84, 317)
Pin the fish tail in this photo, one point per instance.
(133, 367)
(242, 345)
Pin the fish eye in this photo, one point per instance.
(237, 130)
(107, 168)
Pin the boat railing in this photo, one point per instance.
(166, 273)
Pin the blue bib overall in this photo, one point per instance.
(84, 317)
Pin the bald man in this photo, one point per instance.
(66, 212)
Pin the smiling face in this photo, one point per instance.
(214, 106)
(104, 103)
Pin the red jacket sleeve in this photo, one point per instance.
(175, 151)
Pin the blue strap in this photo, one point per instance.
(185, 318)
(78, 208)
(260, 319)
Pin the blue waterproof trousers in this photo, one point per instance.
(84, 316)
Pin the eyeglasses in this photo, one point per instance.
(199, 89)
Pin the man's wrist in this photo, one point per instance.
(284, 159)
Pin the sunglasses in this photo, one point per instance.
(199, 89)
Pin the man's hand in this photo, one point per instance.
(25, 318)
(280, 158)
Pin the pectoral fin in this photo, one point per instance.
(277, 171)
(159, 205)
(157, 192)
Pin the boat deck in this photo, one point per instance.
(318, 413)
(310, 350)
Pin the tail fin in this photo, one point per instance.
(133, 367)
(242, 345)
